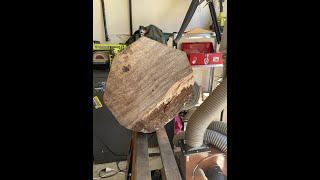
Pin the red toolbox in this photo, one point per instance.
(202, 54)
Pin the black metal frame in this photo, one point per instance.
(192, 8)
(104, 21)
(130, 16)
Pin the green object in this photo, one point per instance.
(152, 32)
(221, 19)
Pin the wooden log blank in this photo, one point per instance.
(147, 85)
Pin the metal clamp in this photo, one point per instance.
(187, 150)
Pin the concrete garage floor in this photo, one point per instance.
(120, 176)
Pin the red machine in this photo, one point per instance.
(202, 54)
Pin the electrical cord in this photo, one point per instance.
(107, 176)
(110, 175)
(116, 171)
(109, 148)
(117, 163)
(196, 167)
(106, 172)
(120, 170)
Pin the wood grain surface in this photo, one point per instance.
(147, 85)
(171, 170)
(140, 165)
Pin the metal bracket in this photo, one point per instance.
(187, 150)
(192, 8)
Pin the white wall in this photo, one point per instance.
(98, 32)
(165, 14)
(117, 19)
(117, 12)
(168, 15)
